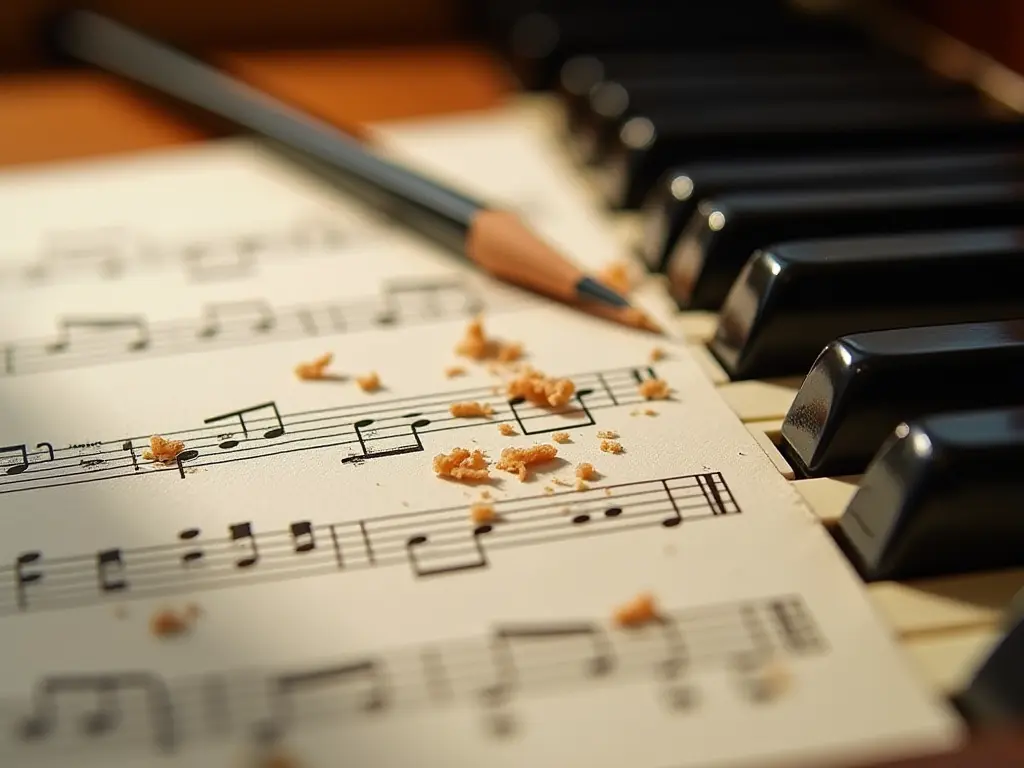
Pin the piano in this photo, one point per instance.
(834, 193)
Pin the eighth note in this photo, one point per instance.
(270, 434)
(303, 538)
(22, 465)
(135, 325)
(242, 535)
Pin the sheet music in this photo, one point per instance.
(351, 611)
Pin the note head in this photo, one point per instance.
(583, 392)
(57, 347)
(264, 326)
(96, 723)
(206, 333)
(412, 415)
(600, 666)
(138, 346)
(363, 423)
(29, 557)
(480, 530)
(17, 469)
(416, 541)
(33, 728)
(580, 519)
(385, 318)
(517, 401)
(188, 455)
(421, 423)
(671, 522)
(613, 512)
(270, 434)
(228, 445)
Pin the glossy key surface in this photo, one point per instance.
(580, 75)
(863, 385)
(944, 495)
(673, 202)
(613, 102)
(649, 144)
(995, 694)
(726, 230)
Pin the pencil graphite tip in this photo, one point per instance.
(590, 288)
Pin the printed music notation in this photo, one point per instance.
(145, 711)
(113, 253)
(100, 339)
(363, 432)
(430, 543)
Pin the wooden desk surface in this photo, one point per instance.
(60, 115)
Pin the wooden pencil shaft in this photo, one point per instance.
(438, 212)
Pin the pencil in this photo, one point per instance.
(497, 241)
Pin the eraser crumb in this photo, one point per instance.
(469, 410)
(170, 623)
(657, 354)
(560, 437)
(586, 471)
(637, 612)
(654, 389)
(462, 464)
(315, 369)
(581, 485)
(616, 277)
(516, 460)
(455, 370)
(540, 389)
(476, 346)
(507, 430)
(369, 383)
(164, 451)
(481, 514)
(607, 434)
(611, 446)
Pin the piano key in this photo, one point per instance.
(946, 603)
(945, 661)
(942, 497)
(612, 102)
(994, 695)
(717, 245)
(863, 385)
(672, 203)
(828, 497)
(792, 299)
(649, 144)
(540, 43)
(760, 399)
(581, 74)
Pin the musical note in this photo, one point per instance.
(303, 539)
(22, 465)
(378, 438)
(534, 420)
(189, 454)
(242, 539)
(107, 690)
(675, 666)
(255, 315)
(110, 560)
(23, 579)
(333, 678)
(596, 659)
(794, 626)
(192, 556)
(127, 445)
(709, 487)
(269, 434)
(135, 326)
(454, 562)
(49, 448)
(104, 249)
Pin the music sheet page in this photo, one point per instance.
(295, 582)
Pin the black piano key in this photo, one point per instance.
(726, 230)
(995, 694)
(863, 385)
(612, 102)
(794, 298)
(540, 43)
(580, 75)
(942, 497)
(649, 144)
(673, 202)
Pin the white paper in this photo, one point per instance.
(324, 622)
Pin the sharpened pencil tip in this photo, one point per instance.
(590, 288)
